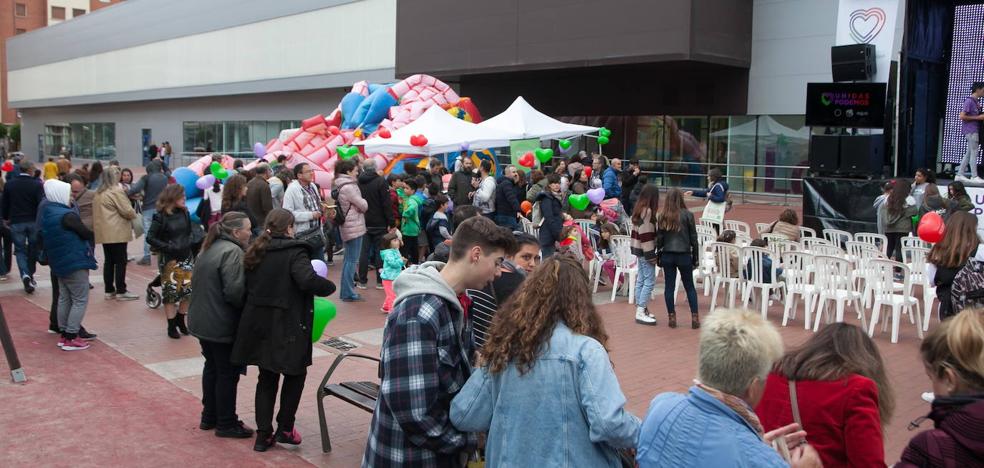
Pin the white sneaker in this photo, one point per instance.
(976, 180)
(645, 319)
(110, 296)
(960, 178)
(127, 296)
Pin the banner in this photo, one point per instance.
(869, 22)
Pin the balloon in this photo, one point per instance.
(465, 146)
(543, 155)
(8, 166)
(526, 206)
(602, 140)
(324, 312)
(418, 140)
(221, 174)
(384, 133)
(192, 205)
(596, 195)
(320, 268)
(214, 167)
(346, 152)
(579, 201)
(564, 144)
(604, 132)
(587, 172)
(527, 160)
(259, 150)
(931, 227)
(187, 178)
(205, 181)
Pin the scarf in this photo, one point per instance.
(737, 405)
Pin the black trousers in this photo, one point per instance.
(410, 249)
(266, 396)
(220, 381)
(894, 246)
(114, 267)
(370, 254)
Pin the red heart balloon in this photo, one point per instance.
(418, 140)
(527, 160)
(931, 227)
(8, 166)
(587, 172)
(384, 133)
(333, 130)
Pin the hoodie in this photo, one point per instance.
(424, 362)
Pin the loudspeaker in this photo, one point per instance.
(852, 62)
(862, 155)
(824, 153)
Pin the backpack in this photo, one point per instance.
(339, 218)
(968, 286)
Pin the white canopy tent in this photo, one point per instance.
(444, 134)
(523, 121)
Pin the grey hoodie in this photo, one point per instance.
(425, 279)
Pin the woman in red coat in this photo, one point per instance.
(842, 395)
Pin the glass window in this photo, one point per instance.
(783, 143)
(82, 140)
(76, 12)
(235, 138)
(57, 13)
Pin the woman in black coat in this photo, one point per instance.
(170, 235)
(275, 328)
(552, 213)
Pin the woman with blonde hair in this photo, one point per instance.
(544, 366)
(112, 215)
(953, 355)
(836, 387)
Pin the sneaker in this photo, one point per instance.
(207, 426)
(643, 319)
(355, 298)
(77, 344)
(293, 437)
(144, 261)
(238, 431)
(110, 296)
(4, 277)
(127, 296)
(61, 341)
(339, 251)
(28, 286)
(960, 178)
(379, 285)
(361, 285)
(263, 441)
(85, 335)
(34, 284)
(53, 330)
(976, 180)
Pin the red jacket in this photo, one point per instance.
(840, 417)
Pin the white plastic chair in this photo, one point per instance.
(741, 239)
(714, 225)
(738, 226)
(705, 229)
(883, 285)
(798, 271)
(754, 274)
(862, 273)
(807, 232)
(833, 283)
(809, 242)
(837, 237)
(762, 228)
(878, 240)
(705, 269)
(915, 259)
(773, 238)
(828, 250)
(913, 241)
(625, 265)
(723, 273)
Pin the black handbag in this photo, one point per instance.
(313, 237)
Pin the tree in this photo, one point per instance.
(4, 131)
(15, 135)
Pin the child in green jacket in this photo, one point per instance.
(410, 226)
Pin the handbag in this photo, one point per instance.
(715, 211)
(137, 225)
(313, 237)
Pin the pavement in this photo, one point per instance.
(133, 398)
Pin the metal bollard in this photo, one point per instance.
(16, 371)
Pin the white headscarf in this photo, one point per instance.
(58, 192)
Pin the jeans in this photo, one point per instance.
(353, 247)
(370, 254)
(220, 379)
(672, 262)
(645, 282)
(148, 217)
(114, 267)
(970, 156)
(507, 222)
(26, 246)
(73, 297)
(7, 243)
(266, 396)
(547, 250)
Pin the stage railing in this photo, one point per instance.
(737, 180)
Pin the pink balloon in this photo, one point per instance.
(320, 268)
(596, 195)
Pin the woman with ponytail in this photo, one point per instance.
(275, 329)
(218, 287)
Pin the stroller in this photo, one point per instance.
(154, 297)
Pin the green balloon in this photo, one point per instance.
(579, 201)
(564, 144)
(602, 140)
(543, 155)
(324, 312)
(219, 172)
(215, 166)
(604, 132)
(346, 152)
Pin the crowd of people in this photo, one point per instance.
(495, 333)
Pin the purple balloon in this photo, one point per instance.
(465, 146)
(205, 181)
(320, 268)
(259, 149)
(596, 195)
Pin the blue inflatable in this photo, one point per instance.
(187, 178)
(192, 205)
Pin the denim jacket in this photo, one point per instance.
(568, 410)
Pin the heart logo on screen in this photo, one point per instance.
(825, 99)
(866, 24)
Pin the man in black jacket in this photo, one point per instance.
(379, 221)
(460, 188)
(506, 201)
(21, 197)
(630, 178)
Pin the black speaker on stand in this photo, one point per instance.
(862, 155)
(853, 62)
(824, 154)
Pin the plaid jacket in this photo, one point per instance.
(424, 364)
